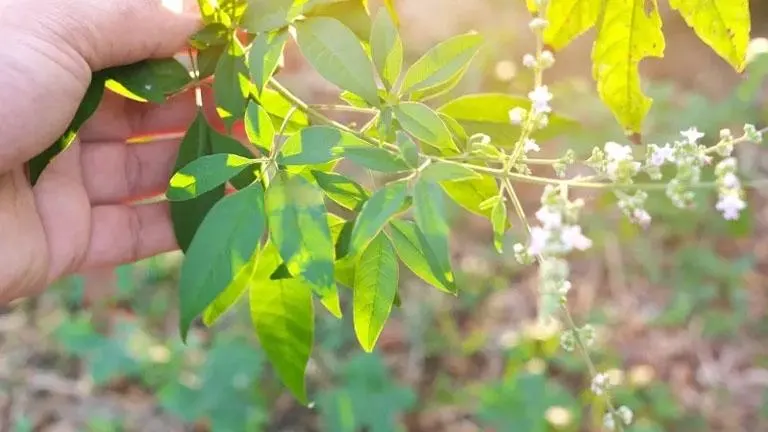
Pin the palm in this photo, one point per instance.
(78, 216)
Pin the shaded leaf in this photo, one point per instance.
(266, 16)
(231, 85)
(445, 171)
(351, 13)
(374, 158)
(405, 236)
(471, 194)
(408, 149)
(376, 283)
(149, 80)
(316, 145)
(429, 214)
(222, 247)
(258, 127)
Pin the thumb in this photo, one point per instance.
(110, 33)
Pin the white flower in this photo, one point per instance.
(662, 155)
(517, 115)
(731, 181)
(529, 61)
(641, 217)
(617, 152)
(539, 240)
(692, 135)
(547, 59)
(730, 206)
(573, 238)
(608, 421)
(600, 384)
(541, 97)
(530, 146)
(626, 414)
(538, 24)
(550, 219)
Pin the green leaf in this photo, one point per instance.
(188, 215)
(420, 121)
(85, 110)
(408, 149)
(429, 213)
(258, 127)
(149, 80)
(205, 174)
(208, 59)
(298, 226)
(386, 48)
(568, 19)
(284, 318)
(499, 222)
(214, 34)
(405, 235)
(264, 57)
(443, 63)
(227, 145)
(351, 13)
(234, 292)
(278, 107)
(724, 25)
(342, 190)
(265, 16)
(231, 85)
(457, 130)
(222, 247)
(376, 212)
(374, 158)
(445, 171)
(488, 113)
(470, 194)
(226, 12)
(376, 282)
(627, 34)
(336, 54)
(316, 145)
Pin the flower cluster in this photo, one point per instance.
(730, 202)
(624, 414)
(586, 334)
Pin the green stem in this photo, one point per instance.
(343, 108)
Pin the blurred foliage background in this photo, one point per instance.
(680, 308)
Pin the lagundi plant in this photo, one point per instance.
(296, 229)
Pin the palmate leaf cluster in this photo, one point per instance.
(274, 223)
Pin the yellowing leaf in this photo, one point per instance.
(568, 19)
(724, 25)
(628, 34)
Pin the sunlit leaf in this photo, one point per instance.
(336, 54)
(488, 113)
(205, 174)
(630, 31)
(470, 194)
(568, 19)
(258, 127)
(231, 84)
(376, 212)
(445, 171)
(342, 190)
(284, 318)
(376, 282)
(499, 222)
(266, 16)
(351, 13)
(420, 121)
(442, 63)
(264, 56)
(298, 226)
(724, 25)
(231, 295)
(386, 48)
(374, 158)
(316, 145)
(429, 214)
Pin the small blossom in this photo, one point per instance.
(522, 256)
(726, 134)
(538, 24)
(568, 341)
(529, 61)
(731, 181)
(530, 146)
(541, 97)
(574, 239)
(660, 155)
(730, 206)
(517, 115)
(548, 218)
(692, 135)
(547, 59)
(539, 240)
(752, 133)
(600, 383)
(609, 422)
(625, 414)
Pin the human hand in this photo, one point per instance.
(78, 216)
